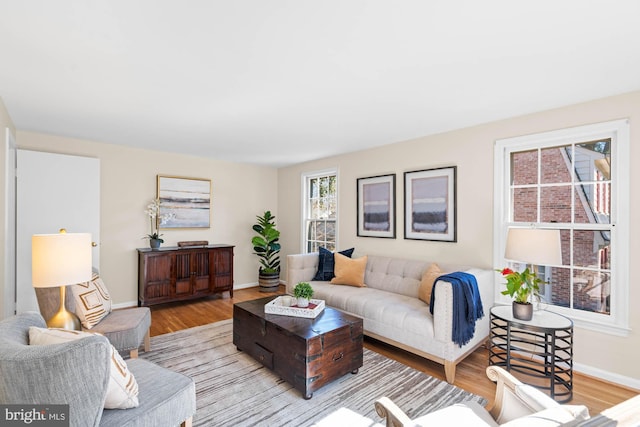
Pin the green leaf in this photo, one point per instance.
(258, 241)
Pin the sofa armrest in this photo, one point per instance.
(443, 305)
(443, 311)
(301, 268)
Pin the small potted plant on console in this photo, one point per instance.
(303, 292)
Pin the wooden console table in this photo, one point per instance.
(175, 274)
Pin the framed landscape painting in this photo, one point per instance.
(430, 204)
(184, 202)
(377, 206)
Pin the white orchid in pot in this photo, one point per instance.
(155, 220)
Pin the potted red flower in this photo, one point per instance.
(521, 286)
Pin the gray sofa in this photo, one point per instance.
(391, 310)
(77, 373)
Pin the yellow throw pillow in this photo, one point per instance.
(428, 279)
(349, 271)
(122, 392)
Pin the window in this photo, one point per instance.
(576, 181)
(320, 210)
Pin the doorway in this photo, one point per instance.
(53, 191)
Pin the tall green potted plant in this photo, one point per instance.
(267, 248)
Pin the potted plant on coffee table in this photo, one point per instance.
(303, 292)
(522, 286)
(267, 247)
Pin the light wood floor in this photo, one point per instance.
(470, 374)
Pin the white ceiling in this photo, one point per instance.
(277, 82)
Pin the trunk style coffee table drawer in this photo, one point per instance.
(307, 353)
(263, 355)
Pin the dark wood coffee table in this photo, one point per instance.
(306, 353)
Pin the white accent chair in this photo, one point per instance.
(515, 404)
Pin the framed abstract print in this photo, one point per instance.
(430, 204)
(377, 206)
(185, 202)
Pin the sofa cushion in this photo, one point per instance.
(166, 398)
(405, 319)
(326, 263)
(400, 276)
(459, 414)
(428, 279)
(561, 415)
(349, 271)
(122, 392)
(125, 328)
(92, 299)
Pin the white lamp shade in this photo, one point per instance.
(534, 246)
(60, 259)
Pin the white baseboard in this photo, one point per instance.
(245, 285)
(612, 377)
(124, 304)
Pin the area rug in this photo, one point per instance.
(232, 389)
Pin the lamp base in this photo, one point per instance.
(64, 319)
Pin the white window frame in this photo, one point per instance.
(617, 322)
(305, 177)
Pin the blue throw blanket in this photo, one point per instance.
(467, 305)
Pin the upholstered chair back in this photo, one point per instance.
(76, 371)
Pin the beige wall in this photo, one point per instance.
(242, 191)
(128, 183)
(5, 122)
(471, 150)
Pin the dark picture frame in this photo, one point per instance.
(377, 206)
(184, 202)
(430, 204)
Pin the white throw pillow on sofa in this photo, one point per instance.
(122, 392)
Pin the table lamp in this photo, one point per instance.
(57, 261)
(535, 246)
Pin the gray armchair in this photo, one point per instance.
(77, 373)
(127, 329)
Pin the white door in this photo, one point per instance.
(54, 191)
(9, 285)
